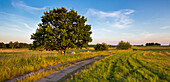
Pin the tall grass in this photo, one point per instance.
(13, 64)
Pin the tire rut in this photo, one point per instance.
(59, 75)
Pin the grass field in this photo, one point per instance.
(151, 47)
(14, 63)
(128, 66)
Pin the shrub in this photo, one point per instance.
(123, 45)
(101, 47)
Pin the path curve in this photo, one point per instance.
(44, 69)
(57, 75)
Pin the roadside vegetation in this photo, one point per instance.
(128, 66)
(13, 64)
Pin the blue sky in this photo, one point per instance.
(136, 21)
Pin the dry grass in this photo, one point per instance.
(161, 54)
(13, 50)
(168, 53)
(154, 53)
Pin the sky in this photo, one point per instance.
(135, 21)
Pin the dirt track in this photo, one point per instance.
(57, 75)
(79, 63)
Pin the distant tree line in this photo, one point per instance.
(139, 45)
(153, 44)
(14, 45)
(93, 45)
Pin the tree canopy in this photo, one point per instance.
(62, 29)
(2, 45)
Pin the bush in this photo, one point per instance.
(123, 45)
(101, 47)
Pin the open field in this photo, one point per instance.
(125, 65)
(15, 63)
(128, 66)
(151, 47)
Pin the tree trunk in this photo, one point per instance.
(61, 52)
(65, 52)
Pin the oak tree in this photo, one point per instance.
(62, 29)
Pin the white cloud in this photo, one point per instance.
(27, 26)
(147, 35)
(165, 27)
(116, 19)
(106, 30)
(24, 7)
(17, 27)
(15, 21)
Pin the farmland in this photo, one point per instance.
(123, 65)
(128, 66)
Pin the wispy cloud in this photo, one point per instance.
(165, 27)
(16, 29)
(27, 26)
(9, 20)
(106, 30)
(23, 5)
(20, 26)
(116, 19)
(146, 34)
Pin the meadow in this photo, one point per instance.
(125, 65)
(128, 66)
(17, 62)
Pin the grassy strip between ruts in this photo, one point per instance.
(12, 66)
(42, 74)
(129, 66)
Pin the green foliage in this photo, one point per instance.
(2, 45)
(123, 45)
(14, 45)
(62, 29)
(101, 47)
